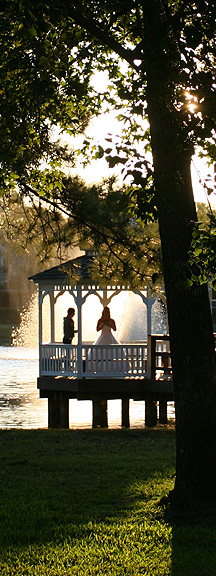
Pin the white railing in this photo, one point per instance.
(58, 359)
(159, 357)
(91, 361)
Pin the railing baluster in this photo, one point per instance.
(121, 360)
(118, 360)
(127, 360)
(106, 364)
(113, 359)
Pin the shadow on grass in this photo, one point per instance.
(93, 498)
(193, 540)
(56, 479)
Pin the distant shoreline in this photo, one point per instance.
(5, 334)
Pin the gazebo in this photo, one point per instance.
(83, 370)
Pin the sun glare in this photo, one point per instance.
(191, 102)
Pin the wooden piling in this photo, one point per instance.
(125, 413)
(53, 413)
(64, 413)
(58, 412)
(99, 414)
(150, 413)
(163, 412)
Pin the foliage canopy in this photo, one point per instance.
(50, 53)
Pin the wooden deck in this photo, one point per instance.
(94, 389)
(140, 371)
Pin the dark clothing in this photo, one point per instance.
(66, 340)
(68, 330)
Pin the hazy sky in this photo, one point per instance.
(107, 123)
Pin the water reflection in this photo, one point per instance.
(20, 406)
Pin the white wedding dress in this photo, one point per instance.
(107, 359)
(106, 337)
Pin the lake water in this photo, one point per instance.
(21, 407)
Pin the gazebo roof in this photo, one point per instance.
(79, 268)
(78, 272)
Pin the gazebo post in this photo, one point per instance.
(79, 321)
(40, 304)
(52, 316)
(149, 305)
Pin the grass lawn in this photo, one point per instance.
(88, 503)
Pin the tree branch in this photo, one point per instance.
(110, 241)
(166, 9)
(181, 9)
(100, 34)
(177, 15)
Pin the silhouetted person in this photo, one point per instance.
(106, 324)
(69, 326)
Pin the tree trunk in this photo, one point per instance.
(193, 361)
(189, 316)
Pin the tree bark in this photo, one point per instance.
(189, 315)
(193, 358)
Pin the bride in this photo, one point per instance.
(106, 324)
(105, 359)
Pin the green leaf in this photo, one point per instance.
(100, 152)
(184, 284)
